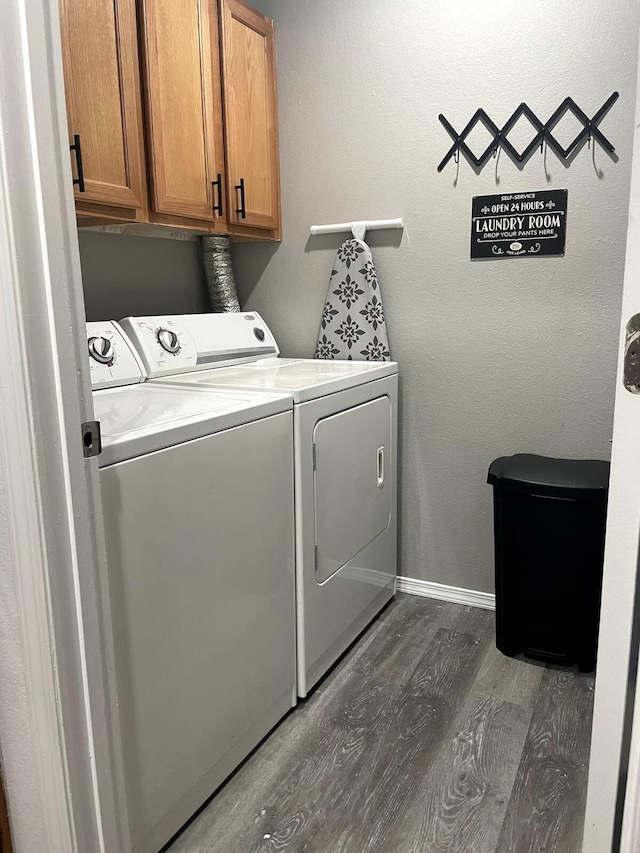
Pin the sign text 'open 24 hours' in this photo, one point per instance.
(516, 225)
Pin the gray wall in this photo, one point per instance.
(495, 357)
(128, 276)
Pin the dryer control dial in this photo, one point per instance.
(168, 340)
(101, 350)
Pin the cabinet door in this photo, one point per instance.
(182, 65)
(102, 80)
(251, 119)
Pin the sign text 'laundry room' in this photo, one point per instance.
(519, 224)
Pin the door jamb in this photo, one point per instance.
(59, 733)
(607, 792)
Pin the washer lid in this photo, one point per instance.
(143, 418)
(304, 378)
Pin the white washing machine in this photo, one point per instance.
(197, 489)
(345, 442)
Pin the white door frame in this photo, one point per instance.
(617, 647)
(59, 736)
(630, 812)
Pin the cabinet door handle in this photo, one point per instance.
(79, 181)
(217, 185)
(242, 210)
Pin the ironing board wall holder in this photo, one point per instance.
(543, 133)
(359, 228)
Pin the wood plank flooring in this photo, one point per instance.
(425, 739)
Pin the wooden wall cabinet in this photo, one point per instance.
(208, 96)
(104, 107)
(184, 111)
(251, 117)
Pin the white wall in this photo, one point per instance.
(495, 357)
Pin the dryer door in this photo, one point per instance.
(352, 483)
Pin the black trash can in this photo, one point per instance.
(549, 519)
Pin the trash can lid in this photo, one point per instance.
(527, 471)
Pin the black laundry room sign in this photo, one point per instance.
(519, 225)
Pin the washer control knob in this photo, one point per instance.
(168, 340)
(259, 333)
(101, 350)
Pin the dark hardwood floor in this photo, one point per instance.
(425, 739)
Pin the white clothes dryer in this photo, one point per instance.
(345, 451)
(197, 493)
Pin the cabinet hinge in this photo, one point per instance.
(316, 557)
(91, 439)
(315, 458)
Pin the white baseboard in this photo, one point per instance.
(428, 589)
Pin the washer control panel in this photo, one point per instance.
(112, 358)
(163, 343)
(187, 342)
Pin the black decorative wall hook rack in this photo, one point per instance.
(543, 133)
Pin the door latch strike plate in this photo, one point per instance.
(631, 371)
(91, 439)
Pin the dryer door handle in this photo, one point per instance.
(380, 467)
